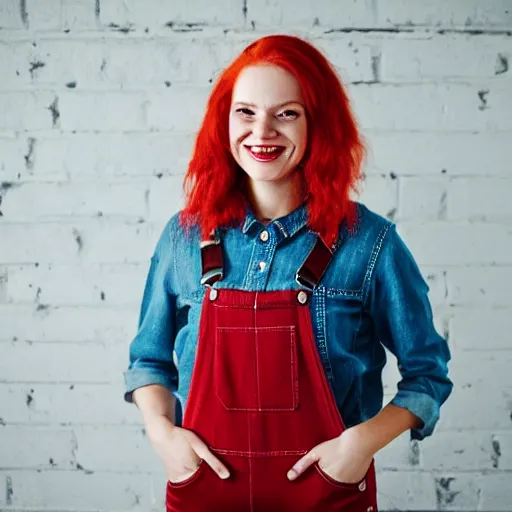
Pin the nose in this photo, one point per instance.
(263, 127)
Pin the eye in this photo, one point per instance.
(245, 112)
(288, 114)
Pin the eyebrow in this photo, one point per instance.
(271, 106)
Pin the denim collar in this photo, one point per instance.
(287, 225)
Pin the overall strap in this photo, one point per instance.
(212, 264)
(312, 270)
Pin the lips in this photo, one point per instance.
(265, 153)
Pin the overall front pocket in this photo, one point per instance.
(255, 368)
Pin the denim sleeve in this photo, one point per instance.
(151, 350)
(403, 318)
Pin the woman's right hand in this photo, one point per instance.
(181, 450)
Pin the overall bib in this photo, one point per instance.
(260, 400)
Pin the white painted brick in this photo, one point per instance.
(26, 110)
(380, 193)
(422, 198)
(350, 54)
(405, 490)
(458, 243)
(399, 454)
(329, 13)
(50, 201)
(78, 15)
(471, 330)
(453, 56)
(3, 285)
(65, 490)
(166, 197)
(102, 111)
(160, 12)
(179, 108)
(36, 447)
(44, 15)
(436, 280)
(456, 491)
(12, 162)
(67, 324)
(113, 284)
(432, 107)
(449, 451)
(423, 154)
(489, 286)
(481, 199)
(502, 450)
(89, 363)
(496, 492)
(10, 15)
(67, 404)
(450, 13)
(133, 451)
(94, 241)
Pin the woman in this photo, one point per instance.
(277, 295)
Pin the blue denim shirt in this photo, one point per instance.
(371, 296)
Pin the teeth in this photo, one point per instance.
(267, 149)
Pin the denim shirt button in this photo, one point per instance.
(264, 236)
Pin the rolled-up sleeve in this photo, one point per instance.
(402, 314)
(151, 350)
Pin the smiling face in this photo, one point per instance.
(267, 123)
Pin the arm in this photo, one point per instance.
(399, 305)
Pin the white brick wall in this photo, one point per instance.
(99, 104)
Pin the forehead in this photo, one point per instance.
(266, 85)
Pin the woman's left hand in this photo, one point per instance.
(346, 458)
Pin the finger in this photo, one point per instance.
(302, 464)
(202, 451)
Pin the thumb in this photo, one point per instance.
(204, 453)
(302, 464)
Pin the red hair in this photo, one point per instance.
(215, 184)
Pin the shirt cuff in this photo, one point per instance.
(139, 377)
(421, 405)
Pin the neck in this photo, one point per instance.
(271, 200)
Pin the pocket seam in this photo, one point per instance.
(189, 480)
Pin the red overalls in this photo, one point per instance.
(260, 400)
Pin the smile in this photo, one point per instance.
(265, 153)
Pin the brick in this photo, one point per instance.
(88, 363)
(11, 15)
(3, 285)
(180, 109)
(65, 490)
(108, 285)
(501, 443)
(480, 199)
(133, 451)
(414, 57)
(380, 194)
(166, 197)
(94, 241)
(405, 490)
(436, 280)
(44, 15)
(496, 492)
(103, 111)
(449, 451)
(51, 201)
(438, 243)
(26, 110)
(24, 447)
(38, 323)
(423, 199)
(482, 286)
(132, 13)
(273, 13)
(451, 13)
(63, 404)
(430, 107)
(78, 15)
(430, 154)
(456, 491)
(350, 54)
(472, 332)
(399, 454)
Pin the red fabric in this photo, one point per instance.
(260, 400)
